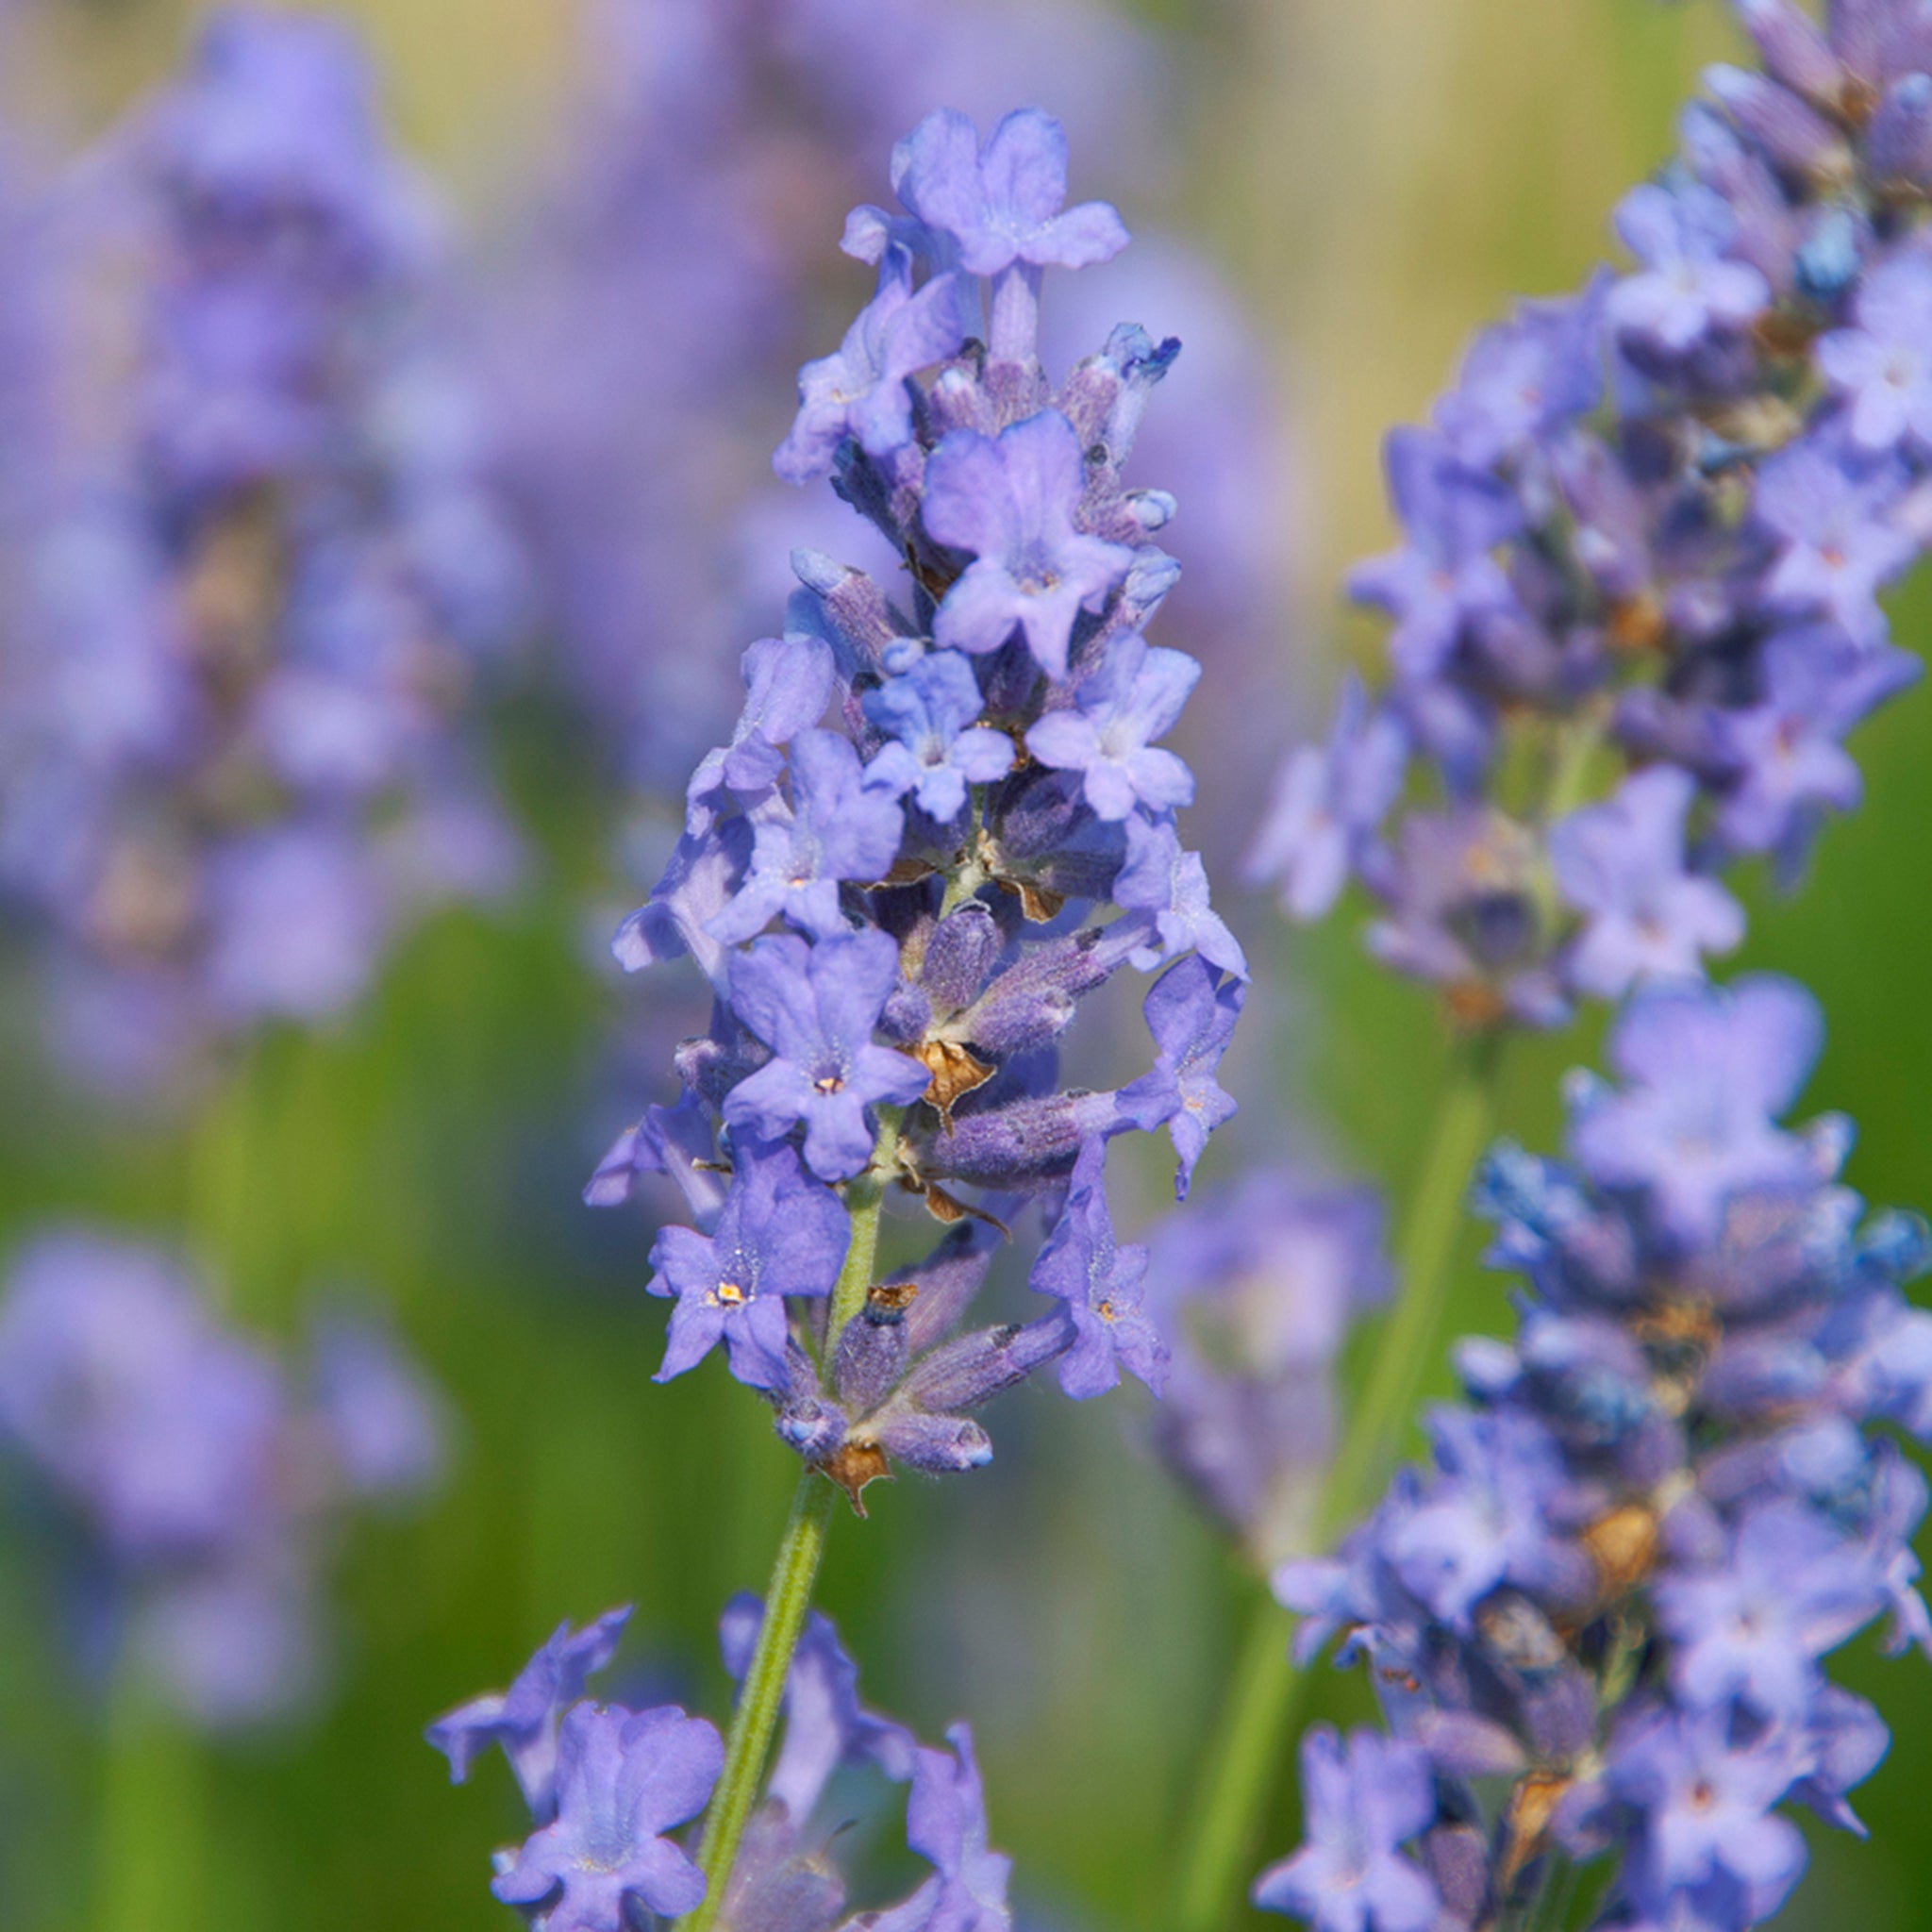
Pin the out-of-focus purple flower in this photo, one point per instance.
(1753, 1626)
(1525, 378)
(1446, 575)
(1191, 1012)
(260, 573)
(1328, 805)
(523, 1719)
(1009, 502)
(386, 1426)
(1103, 1285)
(1836, 544)
(1365, 1799)
(1881, 366)
(936, 748)
(1785, 760)
(1107, 734)
(1255, 1287)
(199, 1485)
(1708, 1072)
(1706, 1802)
(780, 1233)
(623, 1781)
(1621, 864)
(1689, 286)
(816, 1007)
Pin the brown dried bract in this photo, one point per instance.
(1622, 1547)
(856, 1465)
(954, 1073)
(1527, 1821)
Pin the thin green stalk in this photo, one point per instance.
(1265, 1686)
(794, 1572)
(152, 1844)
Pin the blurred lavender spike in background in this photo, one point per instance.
(262, 570)
(1257, 1286)
(199, 1482)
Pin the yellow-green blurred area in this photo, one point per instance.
(1377, 177)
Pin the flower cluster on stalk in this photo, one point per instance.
(258, 571)
(1598, 1621)
(606, 1787)
(709, 147)
(1636, 604)
(896, 875)
(191, 1481)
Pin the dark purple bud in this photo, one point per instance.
(711, 1064)
(958, 400)
(937, 1445)
(871, 1353)
(1794, 51)
(1899, 142)
(946, 1282)
(1792, 135)
(974, 1369)
(1025, 1145)
(813, 1428)
(1458, 1858)
(861, 616)
(907, 1014)
(1465, 1746)
(963, 949)
(1033, 1002)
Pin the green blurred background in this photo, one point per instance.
(1377, 177)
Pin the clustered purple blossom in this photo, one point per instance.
(261, 571)
(606, 1787)
(1256, 1286)
(709, 145)
(1597, 1622)
(899, 909)
(197, 1475)
(1644, 543)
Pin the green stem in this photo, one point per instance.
(1266, 1685)
(794, 1572)
(151, 1854)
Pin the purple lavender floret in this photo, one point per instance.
(1103, 1285)
(952, 794)
(1366, 1798)
(198, 1479)
(523, 1719)
(1009, 503)
(623, 1782)
(1601, 1620)
(261, 573)
(1648, 537)
(779, 1233)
